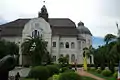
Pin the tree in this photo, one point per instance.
(109, 37)
(36, 48)
(8, 48)
(88, 51)
(63, 61)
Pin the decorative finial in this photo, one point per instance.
(44, 2)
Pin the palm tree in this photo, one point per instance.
(35, 48)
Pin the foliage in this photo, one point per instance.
(70, 70)
(8, 48)
(63, 69)
(36, 49)
(106, 73)
(98, 70)
(115, 74)
(69, 76)
(92, 69)
(39, 72)
(55, 77)
(63, 61)
(53, 69)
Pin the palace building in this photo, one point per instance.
(63, 37)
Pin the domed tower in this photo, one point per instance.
(85, 32)
(43, 13)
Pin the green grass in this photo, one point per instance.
(101, 76)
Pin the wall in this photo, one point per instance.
(56, 51)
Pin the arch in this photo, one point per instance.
(54, 58)
(72, 57)
(72, 45)
(61, 45)
(67, 56)
(35, 33)
(67, 45)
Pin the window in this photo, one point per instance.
(61, 45)
(79, 45)
(35, 33)
(67, 57)
(72, 45)
(72, 58)
(54, 58)
(54, 44)
(67, 45)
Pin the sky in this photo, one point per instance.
(100, 16)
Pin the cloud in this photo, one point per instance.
(98, 15)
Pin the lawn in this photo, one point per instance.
(101, 76)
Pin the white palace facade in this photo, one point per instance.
(64, 38)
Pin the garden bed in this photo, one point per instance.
(101, 76)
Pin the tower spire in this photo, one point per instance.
(43, 13)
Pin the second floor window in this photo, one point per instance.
(54, 44)
(61, 45)
(35, 33)
(72, 45)
(67, 45)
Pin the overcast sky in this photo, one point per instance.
(99, 16)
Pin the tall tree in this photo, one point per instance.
(36, 48)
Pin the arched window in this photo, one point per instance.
(67, 45)
(35, 33)
(61, 45)
(54, 58)
(79, 45)
(72, 45)
(67, 56)
(72, 58)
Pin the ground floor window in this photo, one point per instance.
(54, 58)
(73, 58)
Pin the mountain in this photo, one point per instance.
(97, 41)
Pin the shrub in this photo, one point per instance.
(88, 68)
(92, 69)
(53, 69)
(98, 70)
(106, 73)
(55, 77)
(64, 69)
(70, 70)
(115, 74)
(39, 72)
(69, 76)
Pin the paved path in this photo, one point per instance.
(84, 73)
